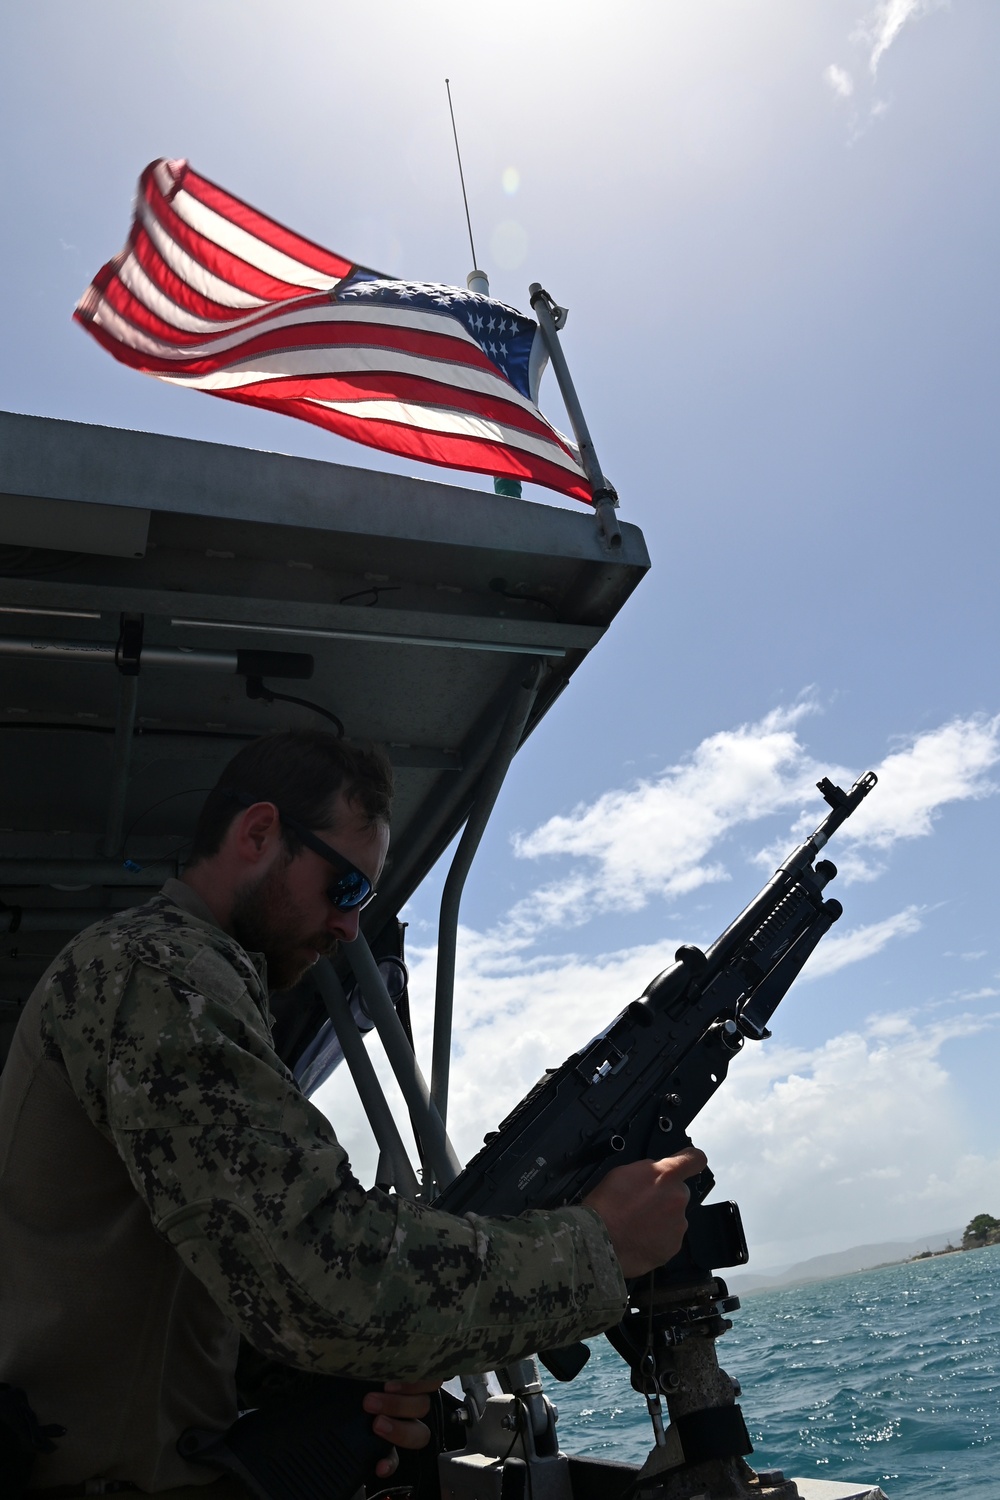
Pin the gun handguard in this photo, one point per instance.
(633, 1091)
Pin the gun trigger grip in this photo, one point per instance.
(702, 1185)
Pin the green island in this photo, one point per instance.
(980, 1231)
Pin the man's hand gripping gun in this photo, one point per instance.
(633, 1091)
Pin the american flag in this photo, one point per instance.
(211, 294)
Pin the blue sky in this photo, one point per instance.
(775, 226)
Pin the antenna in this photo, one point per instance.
(479, 284)
(461, 174)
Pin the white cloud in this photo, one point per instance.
(837, 950)
(949, 764)
(839, 80)
(876, 32)
(856, 1141)
(938, 767)
(656, 836)
(662, 836)
(881, 28)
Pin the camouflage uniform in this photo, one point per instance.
(164, 1183)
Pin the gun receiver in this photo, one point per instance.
(633, 1091)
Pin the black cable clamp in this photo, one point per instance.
(16, 913)
(128, 648)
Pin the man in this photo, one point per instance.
(165, 1187)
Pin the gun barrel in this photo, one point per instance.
(843, 804)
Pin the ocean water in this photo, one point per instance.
(888, 1376)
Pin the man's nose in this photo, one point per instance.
(344, 924)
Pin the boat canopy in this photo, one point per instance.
(156, 592)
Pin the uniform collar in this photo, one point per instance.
(182, 895)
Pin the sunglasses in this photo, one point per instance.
(350, 890)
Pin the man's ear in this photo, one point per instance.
(257, 833)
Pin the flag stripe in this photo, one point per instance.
(211, 226)
(315, 319)
(149, 296)
(177, 248)
(418, 442)
(152, 304)
(179, 291)
(326, 371)
(232, 269)
(442, 421)
(209, 293)
(267, 231)
(291, 350)
(272, 354)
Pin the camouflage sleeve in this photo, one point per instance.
(247, 1180)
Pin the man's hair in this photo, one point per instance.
(301, 771)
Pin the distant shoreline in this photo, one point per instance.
(851, 1262)
(931, 1254)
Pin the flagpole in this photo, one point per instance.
(551, 318)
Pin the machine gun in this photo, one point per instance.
(632, 1092)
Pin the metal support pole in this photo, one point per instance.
(605, 498)
(363, 1072)
(487, 792)
(296, 664)
(54, 918)
(82, 873)
(128, 697)
(427, 1123)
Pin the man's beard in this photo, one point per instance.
(265, 920)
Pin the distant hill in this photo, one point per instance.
(841, 1263)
